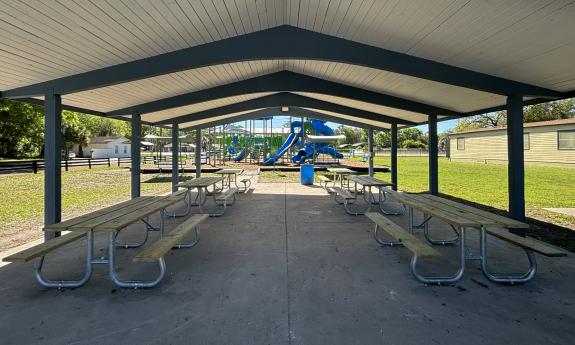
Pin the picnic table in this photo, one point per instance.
(339, 174)
(367, 183)
(111, 221)
(201, 184)
(227, 175)
(461, 217)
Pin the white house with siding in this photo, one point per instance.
(545, 143)
(106, 147)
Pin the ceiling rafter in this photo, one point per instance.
(284, 81)
(282, 42)
(277, 111)
(285, 99)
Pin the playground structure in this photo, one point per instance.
(307, 140)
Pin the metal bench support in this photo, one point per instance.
(511, 278)
(69, 284)
(442, 280)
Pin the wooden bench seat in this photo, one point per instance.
(323, 180)
(247, 182)
(527, 242)
(226, 195)
(157, 250)
(346, 195)
(45, 248)
(402, 236)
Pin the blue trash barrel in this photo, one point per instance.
(306, 174)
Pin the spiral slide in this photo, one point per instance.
(290, 141)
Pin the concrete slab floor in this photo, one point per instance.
(286, 265)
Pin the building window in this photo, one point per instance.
(125, 149)
(460, 144)
(566, 140)
(116, 149)
(526, 142)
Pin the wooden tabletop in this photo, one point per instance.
(117, 217)
(341, 171)
(368, 181)
(205, 181)
(229, 171)
(455, 213)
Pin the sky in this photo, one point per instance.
(278, 121)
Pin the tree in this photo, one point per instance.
(562, 109)
(411, 138)
(382, 138)
(102, 127)
(21, 129)
(352, 135)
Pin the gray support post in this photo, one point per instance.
(175, 156)
(394, 155)
(198, 152)
(515, 172)
(302, 138)
(52, 162)
(135, 152)
(370, 149)
(433, 169)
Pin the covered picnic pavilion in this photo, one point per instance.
(371, 64)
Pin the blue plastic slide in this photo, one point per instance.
(241, 155)
(303, 154)
(290, 141)
(232, 150)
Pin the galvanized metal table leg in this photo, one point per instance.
(356, 213)
(133, 284)
(131, 245)
(439, 280)
(188, 202)
(224, 204)
(382, 199)
(383, 242)
(68, 284)
(190, 244)
(450, 241)
(507, 278)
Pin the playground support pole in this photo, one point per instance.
(515, 168)
(135, 152)
(394, 155)
(175, 156)
(52, 159)
(198, 152)
(370, 149)
(433, 169)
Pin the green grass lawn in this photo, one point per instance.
(480, 183)
(83, 190)
(487, 184)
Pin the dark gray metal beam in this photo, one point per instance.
(282, 42)
(394, 156)
(175, 156)
(276, 111)
(198, 152)
(515, 168)
(64, 107)
(285, 99)
(432, 150)
(135, 153)
(76, 109)
(52, 161)
(281, 82)
(370, 150)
